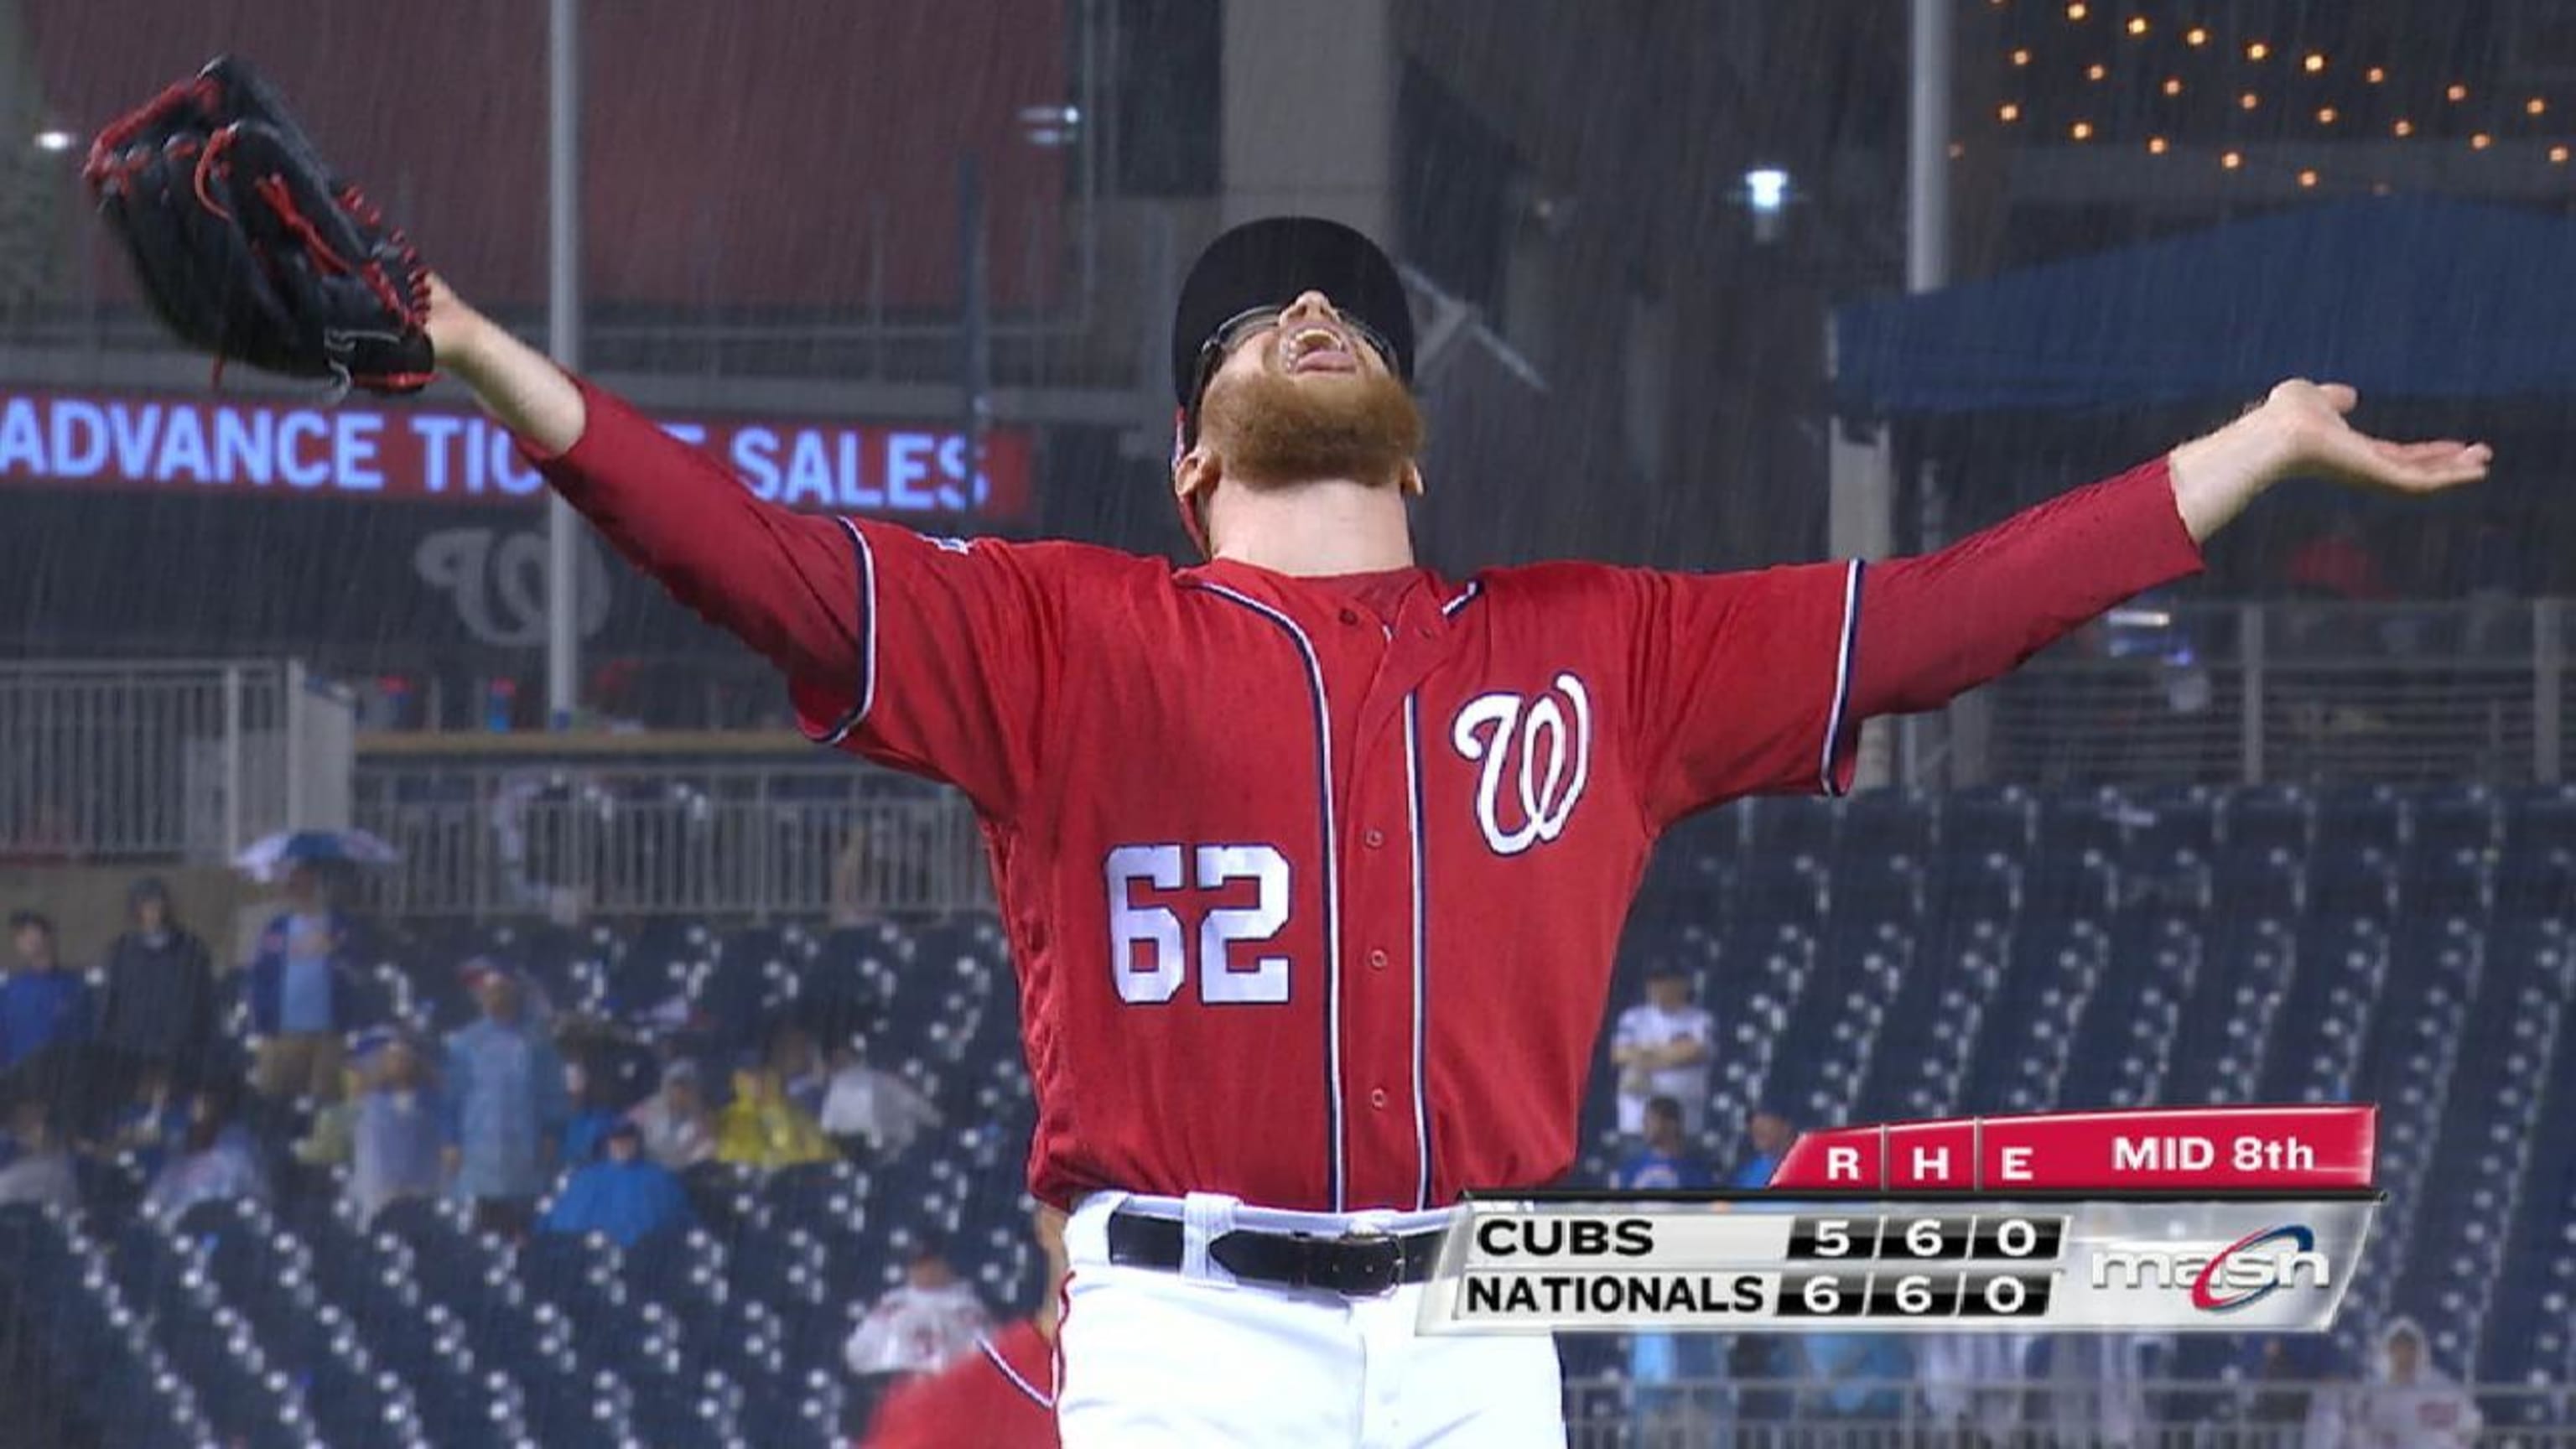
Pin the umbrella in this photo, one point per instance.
(270, 855)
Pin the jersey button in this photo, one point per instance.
(1377, 1098)
(1377, 960)
(1374, 838)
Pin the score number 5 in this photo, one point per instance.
(1155, 931)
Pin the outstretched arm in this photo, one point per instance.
(1755, 683)
(779, 580)
(930, 656)
(1939, 624)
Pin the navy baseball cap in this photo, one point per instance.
(1270, 263)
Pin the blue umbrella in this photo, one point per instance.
(266, 858)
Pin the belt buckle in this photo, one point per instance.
(1375, 1259)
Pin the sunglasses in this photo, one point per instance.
(1251, 322)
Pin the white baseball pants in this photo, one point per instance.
(1157, 1359)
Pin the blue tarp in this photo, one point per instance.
(2401, 297)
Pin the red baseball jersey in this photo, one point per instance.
(1313, 886)
(1001, 1396)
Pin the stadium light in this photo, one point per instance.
(55, 141)
(1766, 192)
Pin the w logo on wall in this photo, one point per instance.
(1536, 755)
(497, 581)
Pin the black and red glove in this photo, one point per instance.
(250, 248)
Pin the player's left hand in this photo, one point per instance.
(2318, 438)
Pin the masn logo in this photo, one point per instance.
(2220, 1280)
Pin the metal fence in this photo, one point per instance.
(648, 837)
(153, 759)
(2290, 691)
(1606, 1412)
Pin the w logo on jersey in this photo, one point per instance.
(1533, 741)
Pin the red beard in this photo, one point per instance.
(1269, 428)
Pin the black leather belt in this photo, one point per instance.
(1358, 1265)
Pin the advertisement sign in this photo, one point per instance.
(211, 447)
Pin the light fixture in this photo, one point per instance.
(2404, 128)
(2376, 74)
(2314, 63)
(2197, 35)
(2081, 130)
(2457, 92)
(2325, 115)
(1766, 189)
(55, 141)
(2021, 57)
(2156, 145)
(2257, 51)
(2557, 155)
(2534, 106)
(2096, 71)
(2248, 101)
(2481, 141)
(2307, 178)
(2137, 25)
(1958, 149)
(2232, 160)
(2077, 10)
(2173, 85)
(2008, 113)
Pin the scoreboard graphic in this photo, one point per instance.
(2222, 1220)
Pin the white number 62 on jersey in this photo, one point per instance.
(1223, 981)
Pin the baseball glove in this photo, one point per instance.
(247, 245)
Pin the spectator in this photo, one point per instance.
(505, 1110)
(594, 1111)
(2283, 1410)
(679, 1131)
(762, 1128)
(2338, 564)
(1002, 1396)
(536, 1008)
(872, 1107)
(921, 1326)
(1663, 1160)
(624, 1194)
(45, 1004)
(1662, 1047)
(153, 1123)
(1770, 1134)
(1762, 1360)
(1665, 1366)
(37, 1169)
(1863, 1377)
(2407, 1403)
(298, 1005)
(217, 1161)
(1972, 1385)
(2096, 1387)
(158, 1008)
(396, 1132)
(791, 1057)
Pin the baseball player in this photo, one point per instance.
(1001, 1395)
(1312, 859)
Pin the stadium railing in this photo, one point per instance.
(1613, 1412)
(164, 759)
(657, 833)
(2284, 690)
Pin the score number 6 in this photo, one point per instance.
(1157, 929)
